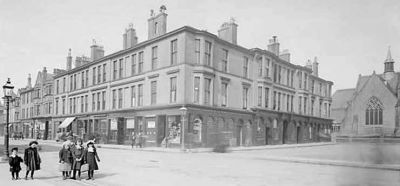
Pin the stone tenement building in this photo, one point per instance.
(372, 108)
(233, 95)
(36, 108)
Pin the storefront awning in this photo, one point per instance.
(66, 122)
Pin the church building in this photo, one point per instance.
(372, 107)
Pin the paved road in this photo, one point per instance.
(124, 167)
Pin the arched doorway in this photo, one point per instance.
(285, 132)
(197, 132)
(239, 133)
(248, 133)
(267, 131)
(298, 133)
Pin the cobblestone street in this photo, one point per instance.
(132, 167)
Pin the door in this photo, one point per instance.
(284, 135)
(266, 135)
(161, 129)
(239, 134)
(121, 130)
(298, 134)
(46, 130)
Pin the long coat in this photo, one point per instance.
(77, 153)
(91, 158)
(32, 159)
(15, 163)
(65, 155)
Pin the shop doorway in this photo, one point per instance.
(120, 130)
(267, 136)
(285, 133)
(46, 130)
(298, 134)
(161, 129)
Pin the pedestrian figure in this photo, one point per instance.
(14, 161)
(77, 154)
(32, 159)
(90, 158)
(133, 138)
(65, 156)
(140, 139)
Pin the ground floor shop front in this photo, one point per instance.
(201, 126)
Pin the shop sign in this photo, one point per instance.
(113, 125)
(151, 124)
(130, 123)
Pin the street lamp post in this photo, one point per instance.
(7, 88)
(183, 109)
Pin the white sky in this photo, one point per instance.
(349, 37)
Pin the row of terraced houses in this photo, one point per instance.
(231, 94)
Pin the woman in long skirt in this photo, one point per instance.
(90, 158)
(32, 159)
(77, 154)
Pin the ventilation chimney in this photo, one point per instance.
(44, 74)
(97, 51)
(130, 38)
(29, 81)
(69, 60)
(79, 61)
(315, 67)
(228, 31)
(57, 71)
(285, 55)
(274, 45)
(309, 64)
(157, 23)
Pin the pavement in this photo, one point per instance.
(270, 156)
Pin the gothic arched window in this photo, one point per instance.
(373, 113)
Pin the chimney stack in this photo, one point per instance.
(157, 23)
(97, 51)
(228, 31)
(130, 38)
(315, 67)
(285, 55)
(309, 64)
(29, 81)
(57, 71)
(273, 45)
(69, 60)
(44, 74)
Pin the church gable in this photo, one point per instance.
(374, 91)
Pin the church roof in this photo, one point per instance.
(392, 84)
(341, 97)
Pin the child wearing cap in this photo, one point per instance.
(14, 161)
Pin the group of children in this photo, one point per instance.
(72, 157)
(31, 159)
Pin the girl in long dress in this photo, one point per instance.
(77, 154)
(31, 159)
(65, 156)
(90, 158)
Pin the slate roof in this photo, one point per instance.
(341, 97)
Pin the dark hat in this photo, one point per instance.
(90, 143)
(33, 142)
(15, 148)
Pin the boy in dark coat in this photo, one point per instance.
(77, 154)
(31, 159)
(14, 161)
(90, 158)
(65, 156)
